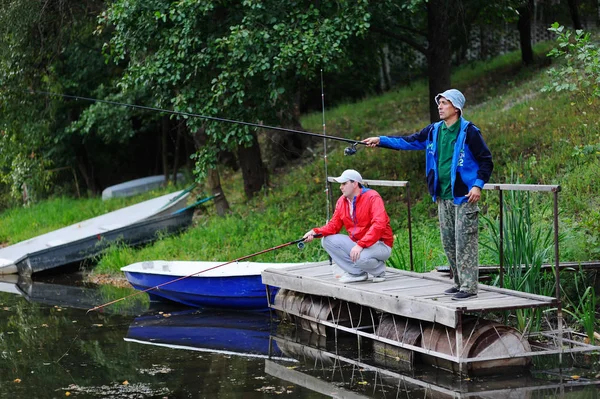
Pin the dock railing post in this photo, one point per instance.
(559, 315)
(501, 228)
(459, 339)
(410, 241)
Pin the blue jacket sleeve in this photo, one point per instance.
(416, 141)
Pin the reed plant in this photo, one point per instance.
(583, 307)
(427, 250)
(528, 244)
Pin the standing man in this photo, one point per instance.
(369, 241)
(458, 164)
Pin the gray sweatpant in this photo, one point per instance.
(372, 259)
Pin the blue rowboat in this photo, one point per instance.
(235, 285)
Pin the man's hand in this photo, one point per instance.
(371, 141)
(355, 253)
(309, 236)
(474, 195)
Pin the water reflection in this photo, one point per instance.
(50, 346)
(228, 333)
(334, 370)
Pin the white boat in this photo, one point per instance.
(81, 240)
(137, 186)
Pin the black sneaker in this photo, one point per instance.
(451, 291)
(462, 296)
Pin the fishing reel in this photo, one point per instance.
(350, 150)
(301, 245)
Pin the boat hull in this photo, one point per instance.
(233, 292)
(135, 234)
(225, 285)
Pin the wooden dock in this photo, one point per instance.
(409, 294)
(408, 313)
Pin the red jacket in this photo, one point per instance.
(370, 222)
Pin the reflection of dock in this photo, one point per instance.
(424, 320)
(339, 376)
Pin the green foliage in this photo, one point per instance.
(427, 251)
(580, 70)
(247, 61)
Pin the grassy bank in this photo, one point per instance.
(534, 138)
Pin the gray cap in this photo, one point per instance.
(349, 174)
(454, 96)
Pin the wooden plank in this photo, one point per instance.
(522, 187)
(364, 295)
(506, 291)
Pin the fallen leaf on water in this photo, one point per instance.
(167, 315)
(125, 382)
(575, 377)
(17, 380)
(67, 393)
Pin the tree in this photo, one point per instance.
(244, 60)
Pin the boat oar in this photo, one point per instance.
(300, 243)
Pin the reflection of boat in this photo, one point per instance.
(137, 186)
(236, 333)
(336, 373)
(64, 294)
(236, 285)
(133, 225)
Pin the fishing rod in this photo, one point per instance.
(347, 151)
(325, 150)
(299, 242)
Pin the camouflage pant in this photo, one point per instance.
(459, 230)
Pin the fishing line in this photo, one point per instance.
(300, 243)
(348, 151)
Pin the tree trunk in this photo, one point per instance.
(524, 26)
(180, 128)
(214, 183)
(165, 127)
(574, 11)
(279, 147)
(213, 178)
(87, 172)
(438, 51)
(254, 172)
